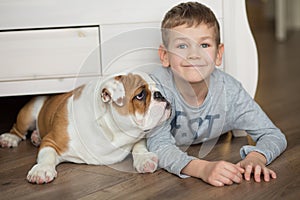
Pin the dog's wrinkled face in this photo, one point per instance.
(136, 101)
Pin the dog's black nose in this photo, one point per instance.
(157, 96)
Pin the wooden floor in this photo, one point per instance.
(279, 95)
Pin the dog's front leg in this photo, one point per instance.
(143, 160)
(44, 171)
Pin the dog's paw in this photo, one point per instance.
(9, 140)
(146, 162)
(41, 173)
(35, 138)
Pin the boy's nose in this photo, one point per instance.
(195, 53)
(193, 57)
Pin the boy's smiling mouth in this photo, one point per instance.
(195, 65)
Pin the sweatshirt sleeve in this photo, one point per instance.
(249, 116)
(171, 157)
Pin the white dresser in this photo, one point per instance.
(51, 46)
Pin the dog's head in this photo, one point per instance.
(135, 101)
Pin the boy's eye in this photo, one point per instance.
(204, 45)
(182, 46)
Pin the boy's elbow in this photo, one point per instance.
(284, 141)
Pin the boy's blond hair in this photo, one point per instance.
(189, 14)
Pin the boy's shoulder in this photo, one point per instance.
(221, 79)
(222, 75)
(219, 75)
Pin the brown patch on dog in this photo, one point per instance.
(134, 85)
(77, 92)
(25, 120)
(53, 123)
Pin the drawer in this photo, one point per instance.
(128, 46)
(49, 53)
(49, 13)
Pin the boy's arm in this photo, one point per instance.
(270, 141)
(172, 159)
(247, 115)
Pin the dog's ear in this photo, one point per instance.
(113, 90)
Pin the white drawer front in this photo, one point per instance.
(51, 53)
(54, 13)
(129, 46)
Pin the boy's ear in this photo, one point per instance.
(219, 55)
(163, 56)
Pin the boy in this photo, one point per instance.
(207, 102)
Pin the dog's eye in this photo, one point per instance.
(141, 96)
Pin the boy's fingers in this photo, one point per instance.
(248, 172)
(239, 167)
(217, 183)
(273, 174)
(269, 173)
(235, 170)
(241, 170)
(231, 177)
(257, 173)
(266, 175)
(225, 180)
(233, 174)
(237, 179)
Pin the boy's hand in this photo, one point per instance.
(256, 163)
(218, 173)
(222, 173)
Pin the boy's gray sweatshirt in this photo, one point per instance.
(227, 106)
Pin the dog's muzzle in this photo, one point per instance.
(159, 97)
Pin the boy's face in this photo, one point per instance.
(192, 52)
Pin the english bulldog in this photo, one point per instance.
(99, 123)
